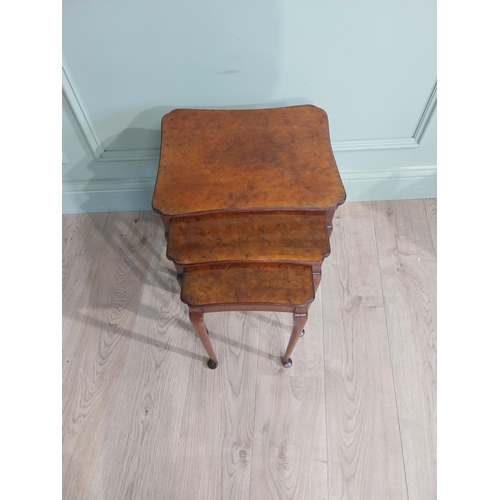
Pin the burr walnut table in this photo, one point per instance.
(247, 199)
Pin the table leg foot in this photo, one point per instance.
(196, 318)
(302, 333)
(299, 321)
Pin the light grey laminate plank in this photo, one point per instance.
(365, 458)
(408, 267)
(81, 238)
(215, 450)
(431, 210)
(354, 210)
(289, 457)
(138, 456)
(97, 345)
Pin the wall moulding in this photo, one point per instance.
(101, 155)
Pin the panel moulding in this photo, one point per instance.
(426, 115)
(81, 118)
(153, 154)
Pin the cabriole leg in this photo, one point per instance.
(299, 321)
(196, 318)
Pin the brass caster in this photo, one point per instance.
(287, 364)
(212, 365)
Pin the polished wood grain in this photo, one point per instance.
(299, 322)
(262, 283)
(196, 317)
(144, 418)
(289, 452)
(408, 269)
(364, 448)
(279, 158)
(261, 237)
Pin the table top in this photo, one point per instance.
(248, 283)
(275, 158)
(286, 236)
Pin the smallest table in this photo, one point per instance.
(248, 287)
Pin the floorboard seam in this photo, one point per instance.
(390, 355)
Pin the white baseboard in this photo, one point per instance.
(136, 194)
(402, 183)
(107, 196)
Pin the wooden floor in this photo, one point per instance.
(354, 418)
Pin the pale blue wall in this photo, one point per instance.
(370, 64)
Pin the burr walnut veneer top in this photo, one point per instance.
(248, 283)
(286, 236)
(277, 158)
